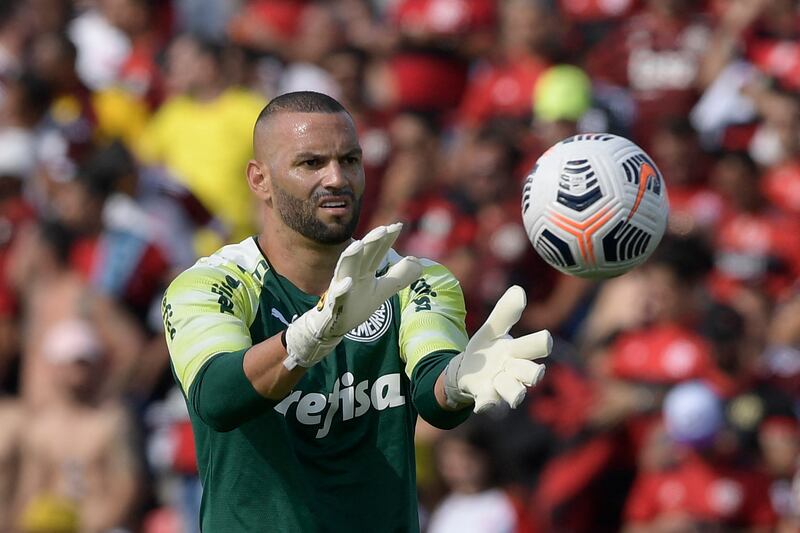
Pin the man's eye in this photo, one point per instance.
(352, 160)
(311, 162)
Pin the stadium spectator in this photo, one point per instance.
(269, 26)
(428, 65)
(23, 105)
(655, 55)
(445, 95)
(50, 291)
(97, 472)
(474, 502)
(779, 438)
(778, 364)
(201, 132)
(706, 487)
(139, 73)
(134, 84)
(13, 33)
(695, 207)
(320, 33)
(53, 59)
(640, 339)
(13, 417)
(122, 261)
(757, 245)
(50, 515)
(101, 46)
(413, 172)
(502, 87)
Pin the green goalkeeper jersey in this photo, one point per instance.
(337, 454)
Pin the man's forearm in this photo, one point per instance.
(235, 387)
(441, 397)
(427, 389)
(264, 368)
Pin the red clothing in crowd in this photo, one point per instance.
(776, 55)
(141, 75)
(595, 10)
(706, 492)
(425, 81)
(780, 59)
(695, 208)
(281, 18)
(657, 58)
(758, 249)
(502, 247)
(130, 269)
(503, 89)
(14, 213)
(436, 226)
(664, 354)
(444, 17)
(781, 186)
(426, 76)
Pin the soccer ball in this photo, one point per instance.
(595, 205)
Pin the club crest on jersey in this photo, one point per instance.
(373, 327)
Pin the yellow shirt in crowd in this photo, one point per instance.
(207, 145)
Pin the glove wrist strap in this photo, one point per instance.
(304, 349)
(453, 395)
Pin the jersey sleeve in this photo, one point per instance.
(207, 310)
(432, 316)
(432, 332)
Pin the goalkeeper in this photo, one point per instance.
(303, 406)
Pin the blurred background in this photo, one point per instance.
(671, 400)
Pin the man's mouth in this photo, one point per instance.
(335, 205)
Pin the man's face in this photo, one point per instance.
(486, 171)
(316, 173)
(75, 207)
(188, 68)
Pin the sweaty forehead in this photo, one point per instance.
(290, 133)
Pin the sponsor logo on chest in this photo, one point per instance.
(353, 400)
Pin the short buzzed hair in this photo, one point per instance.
(301, 102)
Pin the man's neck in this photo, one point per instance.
(78, 400)
(208, 93)
(307, 264)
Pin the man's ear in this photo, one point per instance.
(258, 180)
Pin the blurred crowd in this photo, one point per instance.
(672, 399)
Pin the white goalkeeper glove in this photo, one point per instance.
(353, 295)
(494, 365)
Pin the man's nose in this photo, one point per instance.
(335, 176)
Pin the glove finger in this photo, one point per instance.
(381, 247)
(398, 276)
(349, 264)
(531, 346)
(373, 243)
(335, 293)
(509, 388)
(505, 314)
(526, 372)
(485, 401)
(340, 287)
